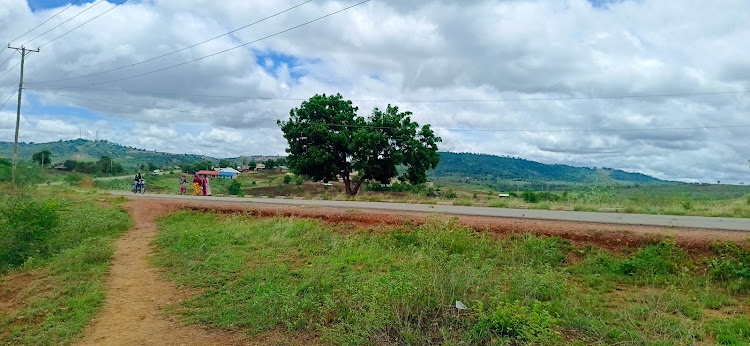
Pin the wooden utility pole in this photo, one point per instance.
(23, 51)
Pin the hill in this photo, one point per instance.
(492, 168)
(85, 150)
(452, 166)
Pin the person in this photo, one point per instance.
(183, 185)
(206, 187)
(197, 182)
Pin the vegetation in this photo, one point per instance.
(327, 139)
(401, 285)
(500, 169)
(105, 165)
(85, 150)
(54, 257)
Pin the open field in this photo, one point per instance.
(264, 274)
(398, 284)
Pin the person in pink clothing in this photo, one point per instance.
(206, 187)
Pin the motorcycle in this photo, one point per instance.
(139, 186)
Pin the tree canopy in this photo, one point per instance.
(327, 140)
(43, 157)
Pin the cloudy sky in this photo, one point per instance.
(551, 81)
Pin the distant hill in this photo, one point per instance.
(498, 168)
(85, 150)
(478, 167)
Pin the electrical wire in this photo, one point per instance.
(572, 98)
(6, 60)
(434, 128)
(233, 48)
(12, 92)
(10, 69)
(84, 23)
(179, 50)
(67, 20)
(42, 23)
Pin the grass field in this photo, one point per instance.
(55, 251)
(401, 285)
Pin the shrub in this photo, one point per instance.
(516, 321)
(287, 179)
(25, 229)
(298, 180)
(731, 266)
(235, 188)
(530, 196)
(450, 194)
(664, 258)
(74, 179)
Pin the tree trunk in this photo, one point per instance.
(348, 184)
(358, 184)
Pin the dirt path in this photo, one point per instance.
(136, 295)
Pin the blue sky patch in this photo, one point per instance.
(37, 5)
(271, 60)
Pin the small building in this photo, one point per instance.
(260, 167)
(282, 168)
(228, 169)
(210, 174)
(227, 175)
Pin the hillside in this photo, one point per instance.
(478, 167)
(85, 150)
(497, 168)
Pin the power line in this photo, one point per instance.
(235, 47)
(10, 69)
(10, 94)
(84, 23)
(42, 23)
(572, 98)
(6, 60)
(67, 20)
(434, 128)
(179, 50)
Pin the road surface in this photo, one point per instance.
(733, 224)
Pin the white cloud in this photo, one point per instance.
(410, 50)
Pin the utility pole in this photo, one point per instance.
(23, 51)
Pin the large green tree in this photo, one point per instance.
(43, 157)
(327, 139)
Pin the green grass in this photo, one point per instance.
(59, 284)
(400, 285)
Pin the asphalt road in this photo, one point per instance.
(734, 224)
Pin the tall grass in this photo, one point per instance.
(401, 285)
(65, 247)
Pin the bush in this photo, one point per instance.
(235, 188)
(287, 179)
(74, 179)
(25, 229)
(530, 196)
(664, 258)
(731, 266)
(450, 194)
(516, 321)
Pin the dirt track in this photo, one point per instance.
(137, 293)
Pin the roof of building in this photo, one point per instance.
(229, 169)
(227, 174)
(208, 172)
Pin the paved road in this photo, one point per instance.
(735, 224)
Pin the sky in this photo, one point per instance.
(559, 82)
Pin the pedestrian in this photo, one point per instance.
(206, 187)
(183, 185)
(197, 182)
